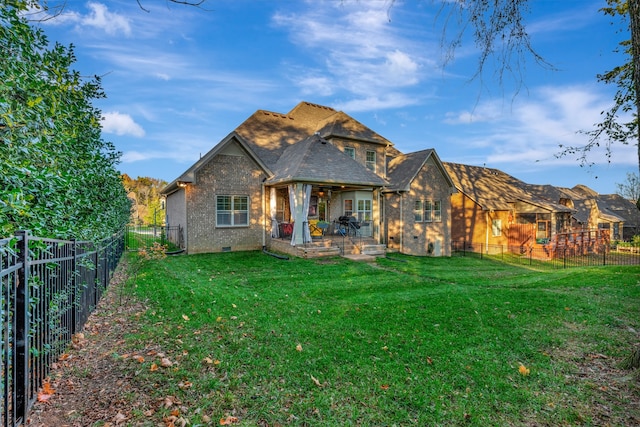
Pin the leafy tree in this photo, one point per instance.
(57, 175)
(500, 32)
(144, 193)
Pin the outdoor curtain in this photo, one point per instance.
(272, 212)
(299, 203)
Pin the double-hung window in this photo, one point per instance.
(370, 161)
(232, 211)
(418, 211)
(427, 211)
(496, 227)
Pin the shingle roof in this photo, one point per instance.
(620, 207)
(494, 189)
(343, 126)
(403, 168)
(268, 134)
(318, 161)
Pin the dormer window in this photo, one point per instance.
(350, 151)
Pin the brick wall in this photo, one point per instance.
(420, 238)
(225, 175)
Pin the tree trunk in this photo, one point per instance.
(634, 26)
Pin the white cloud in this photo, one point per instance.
(360, 50)
(121, 124)
(534, 128)
(100, 17)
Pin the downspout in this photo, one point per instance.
(486, 215)
(401, 195)
(264, 215)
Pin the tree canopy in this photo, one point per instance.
(58, 177)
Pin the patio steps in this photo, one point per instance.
(360, 246)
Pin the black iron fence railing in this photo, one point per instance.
(550, 257)
(139, 237)
(48, 289)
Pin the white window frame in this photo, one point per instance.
(350, 151)
(496, 227)
(431, 210)
(437, 211)
(418, 211)
(237, 214)
(348, 207)
(370, 164)
(364, 210)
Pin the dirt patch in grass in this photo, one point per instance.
(93, 383)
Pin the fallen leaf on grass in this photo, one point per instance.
(185, 317)
(315, 381)
(185, 385)
(299, 347)
(153, 367)
(228, 421)
(166, 363)
(384, 386)
(120, 418)
(46, 393)
(524, 371)
(139, 359)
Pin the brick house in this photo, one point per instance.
(310, 182)
(493, 209)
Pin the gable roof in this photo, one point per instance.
(622, 209)
(269, 134)
(402, 170)
(316, 160)
(493, 189)
(343, 126)
(189, 175)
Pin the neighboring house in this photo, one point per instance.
(591, 211)
(494, 208)
(627, 213)
(277, 179)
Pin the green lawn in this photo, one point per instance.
(410, 341)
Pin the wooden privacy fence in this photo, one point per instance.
(48, 289)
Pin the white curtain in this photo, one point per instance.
(272, 212)
(292, 208)
(306, 189)
(299, 198)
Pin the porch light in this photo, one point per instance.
(321, 192)
(182, 184)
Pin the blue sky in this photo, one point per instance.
(179, 79)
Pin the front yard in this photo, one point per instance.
(253, 340)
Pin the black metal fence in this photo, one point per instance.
(550, 257)
(138, 237)
(48, 289)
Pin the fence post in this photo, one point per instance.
(74, 286)
(22, 313)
